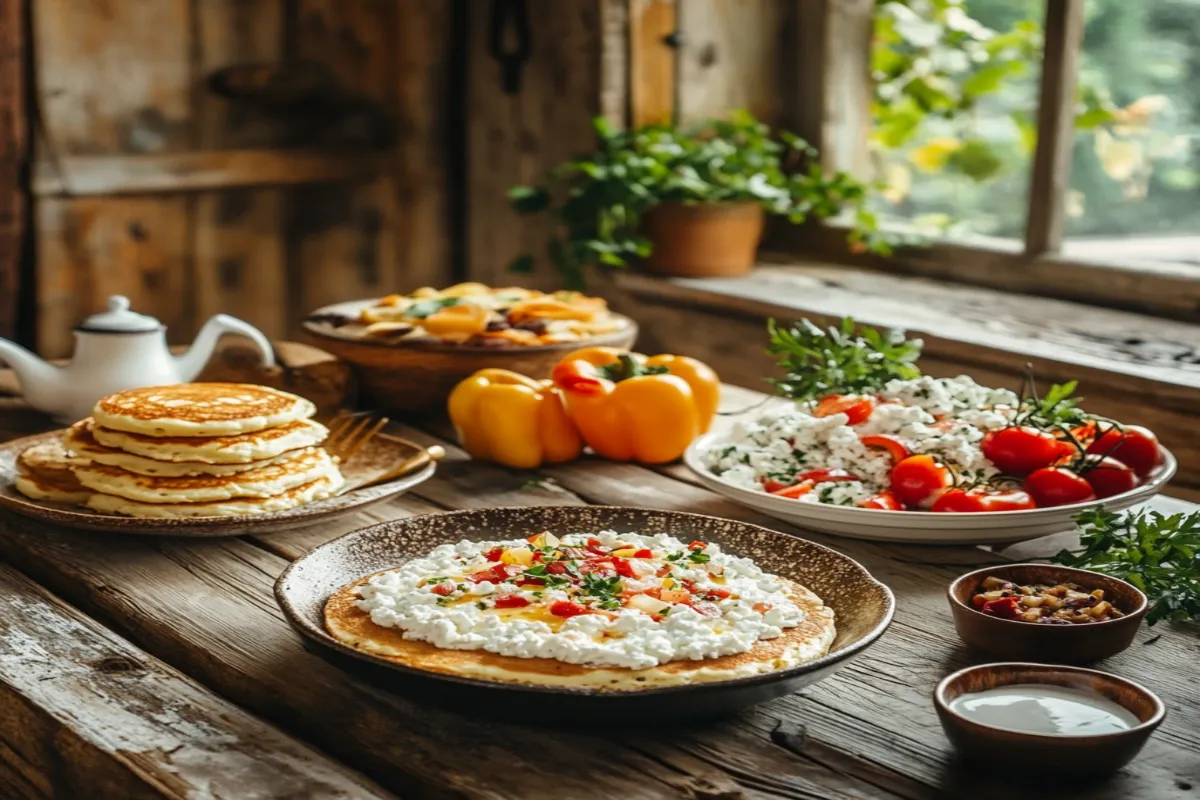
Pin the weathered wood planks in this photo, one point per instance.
(85, 714)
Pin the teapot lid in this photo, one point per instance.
(119, 319)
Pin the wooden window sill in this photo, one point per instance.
(1136, 368)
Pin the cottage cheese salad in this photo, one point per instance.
(935, 444)
(604, 599)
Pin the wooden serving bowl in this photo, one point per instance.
(1073, 758)
(418, 376)
(1055, 644)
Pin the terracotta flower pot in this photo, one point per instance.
(703, 241)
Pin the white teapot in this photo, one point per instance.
(117, 350)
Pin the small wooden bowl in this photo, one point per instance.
(1072, 757)
(1055, 644)
(418, 376)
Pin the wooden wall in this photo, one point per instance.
(149, 184)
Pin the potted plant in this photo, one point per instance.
(686, 201)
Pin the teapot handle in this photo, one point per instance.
(193, 361)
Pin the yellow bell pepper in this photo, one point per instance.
(629, 407)
(513, 420)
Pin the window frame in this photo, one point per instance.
(1040, 266)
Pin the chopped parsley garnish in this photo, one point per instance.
(605, 590)
(699, 557)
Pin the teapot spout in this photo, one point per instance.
(192, 362)
(35, 375)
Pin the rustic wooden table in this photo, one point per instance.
(144, 667)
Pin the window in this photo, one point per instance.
(1028, 143)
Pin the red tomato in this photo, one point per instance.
(919, 479)
(1004, 607)
(598, 566)
(494, 554)
(1110, 477)
(855, 407)
(762, 608)
(557, 567)
(974, 500)
(644, 553)
(534, 581)
(624, 568)
(771, 486)
(444, 588)
(496, 574)
(697, 545)
(595, 547)
(1019, 451)
(1136, 447)
(886, 501)
(565, 608)
(826, 476)
(793, 492)
(897, 448)
(511, 601)
(718, 592)
(1057, 486)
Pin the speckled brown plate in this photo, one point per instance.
(863, 607)
(381, 454)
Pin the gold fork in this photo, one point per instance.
(349, 432)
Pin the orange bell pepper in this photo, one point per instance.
(629, 407)
(513, 420)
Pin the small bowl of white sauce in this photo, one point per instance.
(1067, 721)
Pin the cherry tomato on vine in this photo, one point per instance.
(974, 500)
(1058, 486)
(896, 447)
(856, 407)
(919, 479)
(1136, 447)
(884, 501)
(1109, 477)
(1019, 451)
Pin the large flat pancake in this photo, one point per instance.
(809, 640)
(304, 467)
(51, 465)
(52, 492)
(200, 409)
(80, 441)
(233, 449)
(244, 506)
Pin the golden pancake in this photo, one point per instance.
(304, 468)
(51, 465)
(200, 409)
(245, 506)
(807, 641)
(233, 449)
(80, 441)
(37, 489)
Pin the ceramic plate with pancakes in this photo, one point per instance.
(862, 607)
(380, 455)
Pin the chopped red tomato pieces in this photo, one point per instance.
(826, 476)
(718, 592)
(857, 409)
(444, 588)
(494, 554)
(624, 568)
(896, 447)
(792, 492)
(884, 501)
(511, 601)
(762, 608)
(1004, 607)
(496, 574)
(565, 608)
(771, 486)
(697, 545)
(534, 581)
(557, 567)
(643, 553)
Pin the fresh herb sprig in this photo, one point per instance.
(1157, 553)
(842, 359)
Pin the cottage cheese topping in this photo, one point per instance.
(947, 417)
(674, 602)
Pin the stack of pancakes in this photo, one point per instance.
(189, 450)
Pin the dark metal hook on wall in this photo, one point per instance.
(509, 41)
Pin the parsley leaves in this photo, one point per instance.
(1158, 554)
(842, 359)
